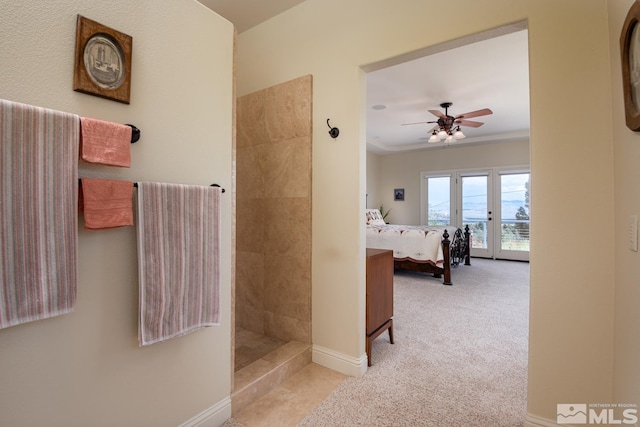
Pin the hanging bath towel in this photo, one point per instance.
(38, 208)
(178, 259)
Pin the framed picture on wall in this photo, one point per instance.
(102, 64)
(398, 194)
(630, 55)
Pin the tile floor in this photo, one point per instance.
(291, 401)
(287, 404)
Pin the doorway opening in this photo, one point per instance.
(401, 117)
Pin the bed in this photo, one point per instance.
(420, 248)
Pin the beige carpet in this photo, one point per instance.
(459, 358)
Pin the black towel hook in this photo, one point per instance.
(334, 132)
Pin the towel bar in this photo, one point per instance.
(135, 184)
(135, 133)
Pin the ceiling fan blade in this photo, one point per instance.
(469, 123)
(477, 113)
(416, 123)
(437, 113)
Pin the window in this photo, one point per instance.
(493, 203)
(514, 212)
(438, 200)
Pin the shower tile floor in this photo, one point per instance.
(288, 403)
(251, 346)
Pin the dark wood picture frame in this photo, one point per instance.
(102, 61)
(398, 194)
(630, 55)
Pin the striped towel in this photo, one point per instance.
(178, 259)
(38, 212)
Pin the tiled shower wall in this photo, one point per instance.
(273, 224)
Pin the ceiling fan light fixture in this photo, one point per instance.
(447, 128)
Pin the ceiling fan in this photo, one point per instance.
(447, 127)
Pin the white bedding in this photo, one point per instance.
(408, 242)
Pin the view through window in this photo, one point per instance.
(493, 203)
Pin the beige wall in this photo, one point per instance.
(373, 181)
(572, 305)
(403, 171)
(273, 286)
(626, 386)
(85, 368)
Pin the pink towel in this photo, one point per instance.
(38, 207)
(106, 203)
(178, 259)
(105, 143)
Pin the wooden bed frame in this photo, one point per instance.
(454, 252)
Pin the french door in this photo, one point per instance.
(494, 203)
(512, 212)
(476, 210)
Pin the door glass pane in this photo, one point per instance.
(514, 208)
(439, 201)
(475, 208)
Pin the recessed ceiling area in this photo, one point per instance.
(245, 14)
(489, 73)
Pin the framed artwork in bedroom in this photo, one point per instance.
(102, 65)
(398, 194)
(630, 55)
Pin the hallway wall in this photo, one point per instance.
(86, 368)
(626, 387)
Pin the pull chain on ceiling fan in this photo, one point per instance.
(447, 127)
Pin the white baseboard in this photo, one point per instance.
(214, 416)
(535, 421)
(348, 365)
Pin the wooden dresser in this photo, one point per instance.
(379, 295)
